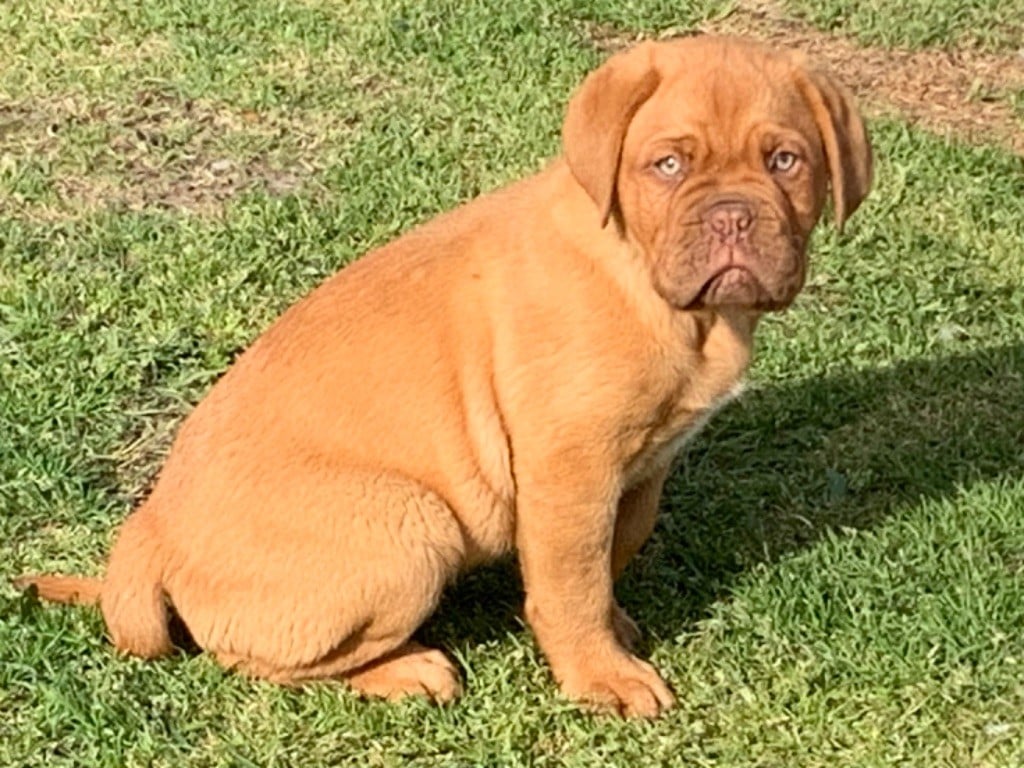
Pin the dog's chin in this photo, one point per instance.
(733, 286)
(736, 287)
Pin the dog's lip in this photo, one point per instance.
(732, 266)
(718, 276)
(726, 268)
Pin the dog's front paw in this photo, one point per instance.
(622, 684)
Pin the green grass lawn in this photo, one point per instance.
(989, 24)
(837, 578)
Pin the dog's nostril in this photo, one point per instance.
(729, 218)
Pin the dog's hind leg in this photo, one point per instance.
(132, 597)
(409, 670)
(634, 522)
(333, 588)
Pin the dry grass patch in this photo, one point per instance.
(964, 92)
(157, 151)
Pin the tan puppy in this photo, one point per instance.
(514, 375)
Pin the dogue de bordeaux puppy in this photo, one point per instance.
(514, 375)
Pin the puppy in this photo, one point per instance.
(516, 374)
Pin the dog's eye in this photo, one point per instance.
(782, 161)
(669, 166)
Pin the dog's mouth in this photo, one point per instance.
(734, 285)
(758, 276)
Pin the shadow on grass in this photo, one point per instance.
(784, 465)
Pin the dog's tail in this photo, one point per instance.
(74, 590)
(131, 595)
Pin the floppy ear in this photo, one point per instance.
(598, 116)
(847, 147)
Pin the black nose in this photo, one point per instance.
(729, 219)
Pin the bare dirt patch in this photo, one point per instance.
(158, 151)
(137, 459)
(174, 154)
(964, 92)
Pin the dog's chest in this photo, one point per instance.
(689, 392)
(664, 442)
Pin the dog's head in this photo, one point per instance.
(714, 156)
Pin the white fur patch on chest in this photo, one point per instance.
(701, 421)
(664, 453)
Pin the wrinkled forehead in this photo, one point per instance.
(719, 96)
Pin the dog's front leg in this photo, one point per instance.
(565, 541)
(638, 512)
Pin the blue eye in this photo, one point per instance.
(669, 166)
(782, 161)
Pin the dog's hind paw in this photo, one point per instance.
(412, 670)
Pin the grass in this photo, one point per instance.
(836, 577)
(989, 24)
